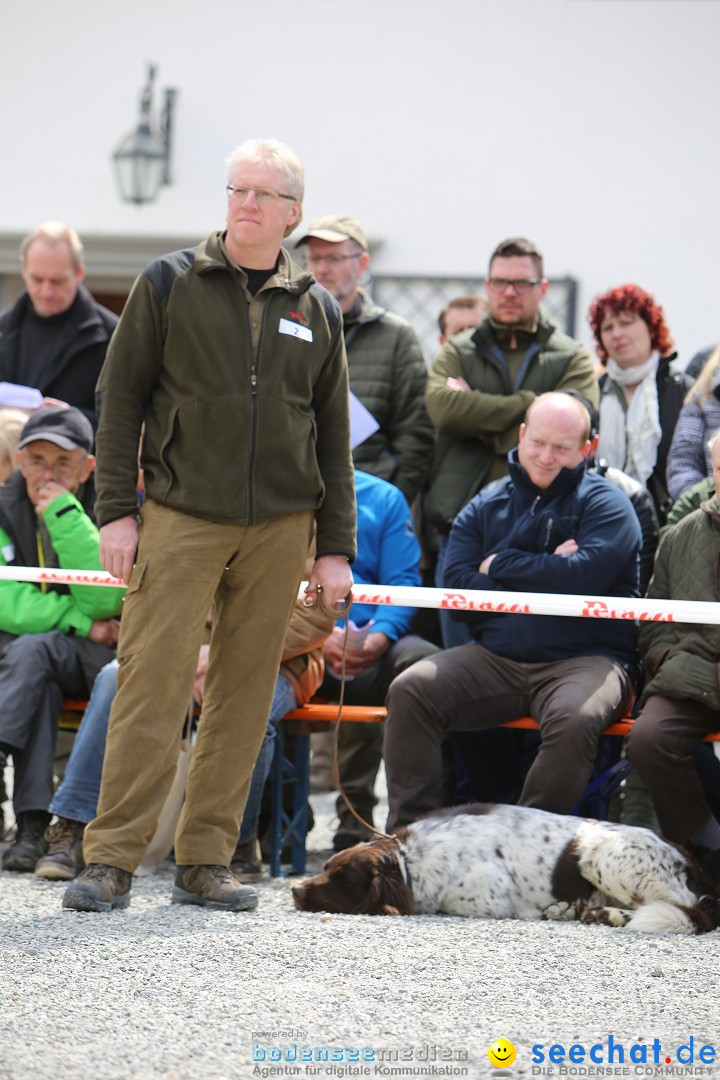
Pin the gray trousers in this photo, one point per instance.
(469, 689)
(661, 747)
(37, 671)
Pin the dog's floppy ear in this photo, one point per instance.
(388, 894)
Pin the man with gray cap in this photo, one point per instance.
(53, 638)
(385, 362)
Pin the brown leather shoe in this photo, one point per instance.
(99, 888)
(212, 887)
(63, 861)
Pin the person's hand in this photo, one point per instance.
(54, 401)
(46, 494)
(105, 632)
(568, 547)
(485, 564)
(458, 384)
(118, 545)
(331, 576)
(359, 657)
(198, 689)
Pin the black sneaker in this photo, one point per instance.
(99, 888)
(63, 860)
(29, 844)
(246, 863)
(212, 887)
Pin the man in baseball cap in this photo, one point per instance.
(385, 361)
(65, 427)
(387, 373)
(53, 638)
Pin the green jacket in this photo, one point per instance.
(689, 500)
(388, 375)
(478, 428)
(27, 608)
(244, 399)
(683, 659)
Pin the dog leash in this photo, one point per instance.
(319, 599)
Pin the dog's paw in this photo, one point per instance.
(606, 916)
(561, 911)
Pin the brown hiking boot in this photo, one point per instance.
(212, 887)
(64, 860)
(246, 863)
(99, 888)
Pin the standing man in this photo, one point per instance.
(55, 336)
(483, 381)
(232, 357)
(385, 361)
(550, 526)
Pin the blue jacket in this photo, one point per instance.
(388, 552)
(524, 524)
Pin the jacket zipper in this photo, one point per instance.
(548, 530)
(254, 361)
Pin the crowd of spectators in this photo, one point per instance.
(529, 467)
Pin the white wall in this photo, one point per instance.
(443, 125)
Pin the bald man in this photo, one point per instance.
(549, 526)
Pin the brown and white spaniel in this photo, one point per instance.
(512, 862)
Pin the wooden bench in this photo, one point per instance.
(290, 827)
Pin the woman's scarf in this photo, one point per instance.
(630, 433)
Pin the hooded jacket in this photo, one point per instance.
(522, 525)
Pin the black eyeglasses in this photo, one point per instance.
(520, 285)
(265, 196)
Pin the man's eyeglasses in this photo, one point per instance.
(331, 260)
(37, 466)
(265, 196)
(520, 285)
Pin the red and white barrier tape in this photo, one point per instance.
(592, 607)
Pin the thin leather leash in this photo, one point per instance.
(317, 598)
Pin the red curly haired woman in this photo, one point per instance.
(640, 395)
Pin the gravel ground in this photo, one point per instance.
(177, 993)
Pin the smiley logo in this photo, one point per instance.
(501, 1053)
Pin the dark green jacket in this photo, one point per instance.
(683, 659)
(388, 375)
(478, 428)
(244, 399)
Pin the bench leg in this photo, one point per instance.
(286, 828)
